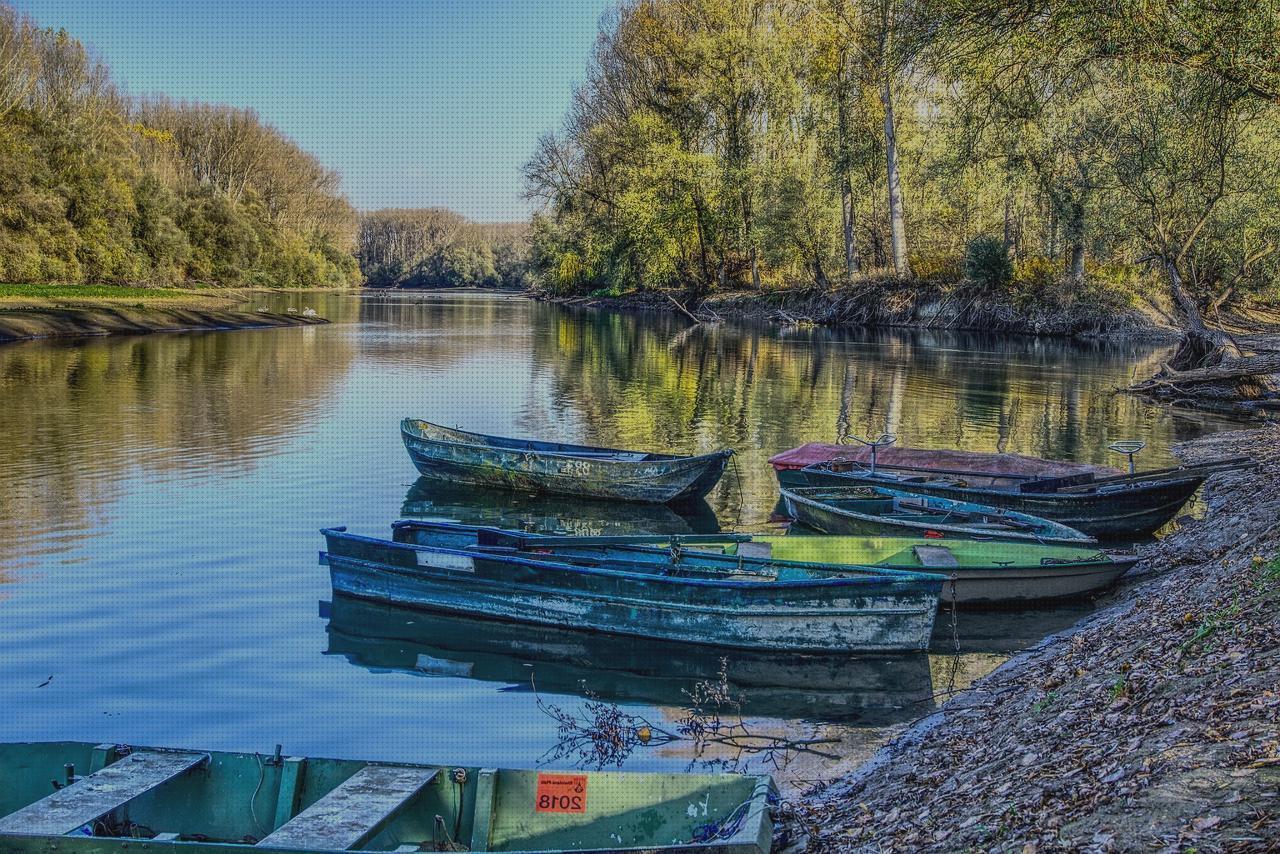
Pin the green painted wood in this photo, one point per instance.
(354, 812)
(292, 771)
(482, 822)
(99, 793)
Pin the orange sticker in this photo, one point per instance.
(561, 793)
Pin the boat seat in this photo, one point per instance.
(354, 812)
(90, 798)
(936, 557)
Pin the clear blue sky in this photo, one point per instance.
(426, 103)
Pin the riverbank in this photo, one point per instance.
(74, 311)
(890, 303)
(1152, 724)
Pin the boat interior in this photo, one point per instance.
(81, 792)
(434, 432)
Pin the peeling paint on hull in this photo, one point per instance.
(471, 458)
(867, 613)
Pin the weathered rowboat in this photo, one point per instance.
(474, 458)
(749, 605)
(109, 798)
(979, 573)
(879, 511)
(1114, 507)
(789, 465)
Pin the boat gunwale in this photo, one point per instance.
(653, 456)
(869, 574)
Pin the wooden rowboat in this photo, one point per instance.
(878, 511)
(110, 798)
(1109, 507)
(979, 573)
(457, 456)
(749, 605)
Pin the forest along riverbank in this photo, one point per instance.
(892, 303)
(1152, 723)
(30, 312)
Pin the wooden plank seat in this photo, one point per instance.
(354, 812)
(90, 798)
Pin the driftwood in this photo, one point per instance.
(686, 311)
(1244, 379)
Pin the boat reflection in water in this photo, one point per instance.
(1004, 631)
(827, 688)
(431, 499)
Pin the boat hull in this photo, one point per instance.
(833, 511)
(871, 614)
(1120, 514)
(560, 469)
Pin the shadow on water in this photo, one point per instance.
(847, 689)
(433, 499)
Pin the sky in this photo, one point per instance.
(417, 103)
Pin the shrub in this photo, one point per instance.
(987, 264)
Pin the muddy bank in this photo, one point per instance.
(23, 324)
(1154, 724)
(889, 303)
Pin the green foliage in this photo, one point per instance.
(987, 264)
(729, 143)
(97, 188)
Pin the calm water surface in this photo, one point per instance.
(161, 497)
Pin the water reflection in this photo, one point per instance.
(432, 499)
(848, 689)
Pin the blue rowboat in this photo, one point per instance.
(747, 604)
(979, 573)
(120, 799)
(876, 511)
(457, 456)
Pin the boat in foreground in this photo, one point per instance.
(876, 510)
(745, 604)
(979, 573)
(457, 456)
(112, 798)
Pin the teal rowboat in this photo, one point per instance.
(744, 604)
(81, 798)
(459, 457)
(979, 573)
(878, 511)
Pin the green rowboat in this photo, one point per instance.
(81, 798)
(979, 573)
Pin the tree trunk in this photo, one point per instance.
(852, 264)
(820, 275)
(1073, 232)
(897, 224)
(1201, 346)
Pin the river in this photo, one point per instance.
(162, 494)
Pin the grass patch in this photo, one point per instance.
(89, 292)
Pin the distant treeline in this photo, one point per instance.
(435, 248)
(98, 187)
(1052, 150)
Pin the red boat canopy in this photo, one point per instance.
(963, 461)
